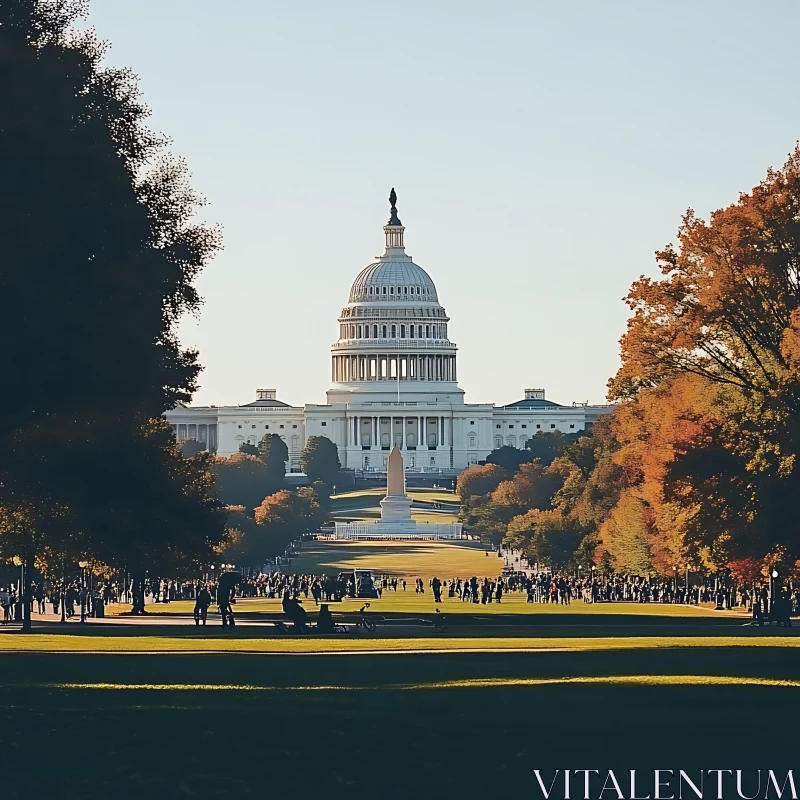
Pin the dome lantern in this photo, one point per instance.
(393, 228)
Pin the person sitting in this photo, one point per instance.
(295, 612)
(325, 620)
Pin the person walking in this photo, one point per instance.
(201, 604)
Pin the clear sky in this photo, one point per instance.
(541, 152)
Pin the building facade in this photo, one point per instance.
(394, 381)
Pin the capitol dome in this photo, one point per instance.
(394, 331)
(391, 279)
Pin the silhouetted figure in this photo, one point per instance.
(295, 612)
(201, 604)
(324, 619)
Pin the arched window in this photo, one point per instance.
(498, 442)
(420, 331)
(405, 290)
(359, 331)
(394, 331)
(384, 290)
(511, 441)
(391, 290)
(352, 331)
(402, 331)
(384, 331)
(427, 331)
(366, 331)
(411, 329)
(472, 440)
(374, 331)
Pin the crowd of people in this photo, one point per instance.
(73, 598)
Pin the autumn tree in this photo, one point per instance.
(283, 517)
(718, 339)
(546, 537)
(480, 479)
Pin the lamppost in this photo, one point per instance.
(773, 589)
(83, 565)
(675, 578)
(63, 597)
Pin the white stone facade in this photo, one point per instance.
(394, 382)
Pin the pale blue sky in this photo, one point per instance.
(541, 152)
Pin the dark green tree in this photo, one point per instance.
(242, 480)
(191, 447)
(249, 449)
(320, 460)
(95, 208)
(509, 458)
(548, 445)
(274, 453)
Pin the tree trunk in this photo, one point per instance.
(137, 595)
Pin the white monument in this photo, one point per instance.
(396, 521)
(396, 506)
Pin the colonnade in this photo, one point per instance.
(426, 432)
(394, 366)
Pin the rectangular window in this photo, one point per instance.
(497, 426)
(524, 426)
(572, 426)
(552, 425)
(324, 424)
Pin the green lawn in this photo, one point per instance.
(398, 558)
(86, 725)
(513, 606)
(373, 496)
(163, 708)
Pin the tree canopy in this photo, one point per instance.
(100, 253)
(320, 460)
(274, 453)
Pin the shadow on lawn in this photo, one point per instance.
(473, 741)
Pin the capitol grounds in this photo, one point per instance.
(158, 706)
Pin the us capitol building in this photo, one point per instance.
(394, 381)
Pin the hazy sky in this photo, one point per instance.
(541, 152)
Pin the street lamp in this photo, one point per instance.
(773, 589)
(83, 565)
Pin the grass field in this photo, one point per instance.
(161, 707)
(364, 505)
(513, 607)
(398, 558)
(78, 725)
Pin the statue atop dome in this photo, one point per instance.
(393, 218)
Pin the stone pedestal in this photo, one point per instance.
(396, 508)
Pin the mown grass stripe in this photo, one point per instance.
(468, 683)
